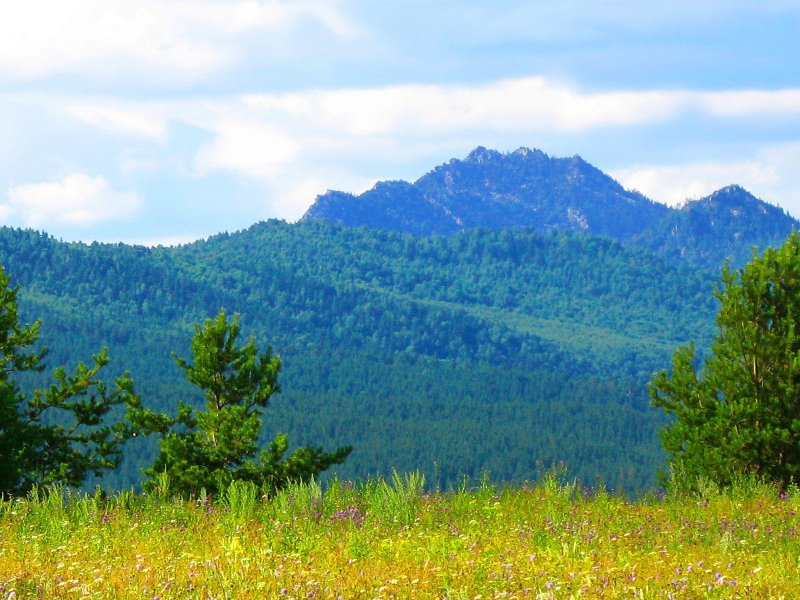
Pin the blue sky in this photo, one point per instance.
(163, 121)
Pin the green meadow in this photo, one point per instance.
(393, 539)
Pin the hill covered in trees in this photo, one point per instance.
(497, 350)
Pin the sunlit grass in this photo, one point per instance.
(383, 539)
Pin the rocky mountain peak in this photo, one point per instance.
(528, 188)
(482, 155)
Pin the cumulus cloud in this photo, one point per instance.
(771, 174)
(78, 199)
(175, 40)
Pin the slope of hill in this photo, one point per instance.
(482, 350)
(527, 188)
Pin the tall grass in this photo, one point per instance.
(389, 538)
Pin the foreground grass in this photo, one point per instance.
(388, 539)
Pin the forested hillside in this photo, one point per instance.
(486, 350)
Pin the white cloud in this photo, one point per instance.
(259, 135)
(771, 174)
(531, 102)
(144, 121)
(674, 184)
(255, 149)
(78, 199)
(167, 40)
(752, 102)
(262, 136)
(42, 37)
(272, 14)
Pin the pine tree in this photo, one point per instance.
(741, 413)
(207, 450)
(57, 435)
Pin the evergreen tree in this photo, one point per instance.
(57, 435)
(212, 448)
(741, 413)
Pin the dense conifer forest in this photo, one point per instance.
(501, 351)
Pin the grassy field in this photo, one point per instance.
(385, 539)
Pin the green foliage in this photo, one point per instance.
(497, 348)
(740, 414)
(59, 434)
(209, 450)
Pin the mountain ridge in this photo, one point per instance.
(528, 188)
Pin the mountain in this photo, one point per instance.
(527, 188)
(501, 310)
(484, 350)
(728, 224)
